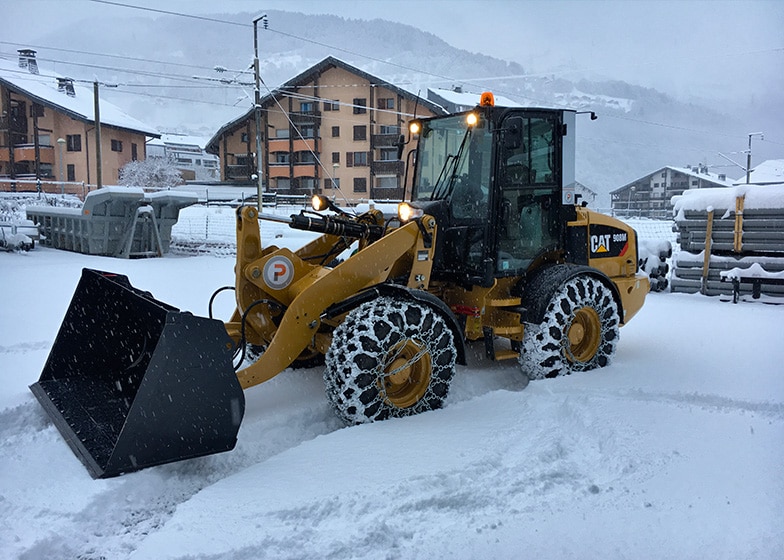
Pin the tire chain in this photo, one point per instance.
(359, 351)
(546, 352)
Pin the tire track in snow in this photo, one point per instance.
(23, 347)
(117, 519)
(708, 402)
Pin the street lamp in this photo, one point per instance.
(60, 143)
(335, 167)
(257, 102)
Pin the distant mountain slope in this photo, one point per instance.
(639, 129)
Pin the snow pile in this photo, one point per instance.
(654, 255)
(754, 270)
(673, 451)
(756, 198)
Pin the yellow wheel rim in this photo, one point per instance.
(585, 335)
(407, 374)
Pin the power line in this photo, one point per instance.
(441, 77)
(168, 13)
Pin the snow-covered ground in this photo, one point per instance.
(675, 451)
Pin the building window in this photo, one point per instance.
(360, 133)
(306, 107)
(279, 133)
(70, 172)
(332, 105)
(356, 159)
(304, 157)
(283, 183)
(308, 183)
(387, 154)
(73, 142)
(335, 132)
(328, 183)
(183, 160)
(244, 137)
(360, 105)
(360, 184)
(134, 152)
(389, 129)
(386, 103)
(282, 157)
(116, 145)
(335, 157)
(308, 131)
(388, 182)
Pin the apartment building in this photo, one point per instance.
(651, 195)
(47, 128)
(332, 126)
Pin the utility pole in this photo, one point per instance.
(257, 101)
(748, 155)
(98, 159)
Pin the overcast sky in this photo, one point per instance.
(683, 47)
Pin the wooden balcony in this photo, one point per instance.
(278, 145)
(279, 170)
(26, 152)
(305, 170)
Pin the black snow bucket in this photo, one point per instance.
(132, 382)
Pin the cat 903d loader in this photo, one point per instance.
(490, 247)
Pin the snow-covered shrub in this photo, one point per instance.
(152, 172)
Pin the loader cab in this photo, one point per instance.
(494, 180)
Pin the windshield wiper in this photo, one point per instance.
(442, 190)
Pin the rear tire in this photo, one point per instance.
(391, 357)
(579, 331)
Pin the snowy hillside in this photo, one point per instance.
(672, 452)
(639, 128)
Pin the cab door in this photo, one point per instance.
(529, 177)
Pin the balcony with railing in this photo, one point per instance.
(239, 172)
(26, 152)
(392, 167)
(383, 140)
(305, 117)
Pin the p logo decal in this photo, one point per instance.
(278, 272)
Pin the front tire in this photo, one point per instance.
(579, 331)
(391, 357)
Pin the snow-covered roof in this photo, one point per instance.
(697, 172)
(770, 172)
(468, 99)
(702, 174)
(179, 140)
(43, 89)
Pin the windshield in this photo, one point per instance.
(452, 153)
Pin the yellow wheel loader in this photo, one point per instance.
(490, 248)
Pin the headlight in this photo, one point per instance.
(406, 212)
(415, 127)
(319, 202)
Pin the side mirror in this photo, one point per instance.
(513, 133)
